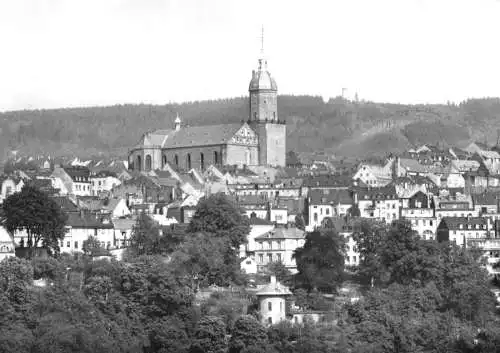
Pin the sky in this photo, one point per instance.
(67, 53)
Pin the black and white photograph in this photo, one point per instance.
(236, 176)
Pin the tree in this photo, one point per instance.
(369, 237)
(247, 332)
(220, 217)
(16, 276)
(36, 213)
(320, 263)
(145, 238)
(90, 245)
(278, 269)
(210, 336)
(299, 222)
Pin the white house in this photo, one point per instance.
(374, 175)
(328, 203)
(272, 302)
(378, 203)
(75, 179)
(103, 182)
(279, 245)
(81, 226)
(258, 227)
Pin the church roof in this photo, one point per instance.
(190, 136)
(262, 79)
(202, 135)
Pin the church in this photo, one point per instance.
(261, 141)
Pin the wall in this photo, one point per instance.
(195, 152)
(155, 154)
(263, 105)
(277, 312)
(241, 155)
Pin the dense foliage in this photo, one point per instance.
(35, 213)
(339, 126)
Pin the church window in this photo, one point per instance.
(202, 161)
(216, 157)
(148, 163)
(188, 161)
(176, 158)
(164, 161)
(139, 163)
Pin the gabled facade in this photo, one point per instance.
(378, 203)
(460, 230)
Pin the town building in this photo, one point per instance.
(272, 302)
(278, 245)
(461, 230)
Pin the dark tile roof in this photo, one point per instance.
(85, 220)
(323, 197)
(330, 180)
(201, 135)
(252, 200)
(485, 198)
(78, 172)
(66, 204)
(386, 192)
(453, 223)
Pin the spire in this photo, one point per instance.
(177, 123)
(262, 59)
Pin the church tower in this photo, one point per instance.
(264, 115)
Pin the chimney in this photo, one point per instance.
(273, 279)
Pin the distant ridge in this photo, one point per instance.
(339, 126)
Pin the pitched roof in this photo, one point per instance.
(321, 197)
(77, 220)
(330, 180)
(485, 198)
(78, 172)
(65, 203)
(454, 223)
(283, 233)
(386, 192)
(201, 135)
(274, 288)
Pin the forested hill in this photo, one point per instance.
(341, 127)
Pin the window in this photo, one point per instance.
(354, 259)
(315, 217)
(261, 258)
(148, 163)
(270, 320)
(164, 161)
(279, 257)
(269, 306)
(8, 191)
(327, 211)
(202, 161)
(216, 157)
(281, 307)
(269, 257)
(176, 160)
(68, 244)
(76, 245)
(188, 161)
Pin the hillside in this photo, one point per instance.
(339, 127)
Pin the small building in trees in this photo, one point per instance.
(7, 248)
(272, 302)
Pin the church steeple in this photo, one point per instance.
(263, 91)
